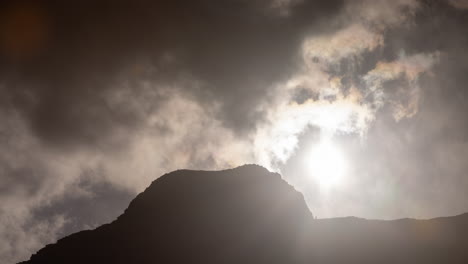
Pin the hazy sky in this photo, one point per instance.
(99, 99)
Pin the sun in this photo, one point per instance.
(326, 164)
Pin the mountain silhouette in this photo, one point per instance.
(250, 215)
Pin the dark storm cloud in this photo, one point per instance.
(60, 58)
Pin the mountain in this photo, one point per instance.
(250, 215)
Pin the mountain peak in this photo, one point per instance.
(202, 216)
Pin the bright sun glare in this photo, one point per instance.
(326, 164)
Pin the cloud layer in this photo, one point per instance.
(98, 99)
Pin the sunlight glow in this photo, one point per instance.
(326, 164)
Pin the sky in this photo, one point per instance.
(360, 105)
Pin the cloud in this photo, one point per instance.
(461, 4)
(20, 238)
(31, 177)
(382, 14)
(327, 103)
(406, 97)
(116, 94)
(330, 49)
(83, 59)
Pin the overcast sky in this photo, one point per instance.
(99, 98)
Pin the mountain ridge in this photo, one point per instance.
(250, 215)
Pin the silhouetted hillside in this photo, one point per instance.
(249, 215)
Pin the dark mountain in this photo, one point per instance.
(249, 215)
